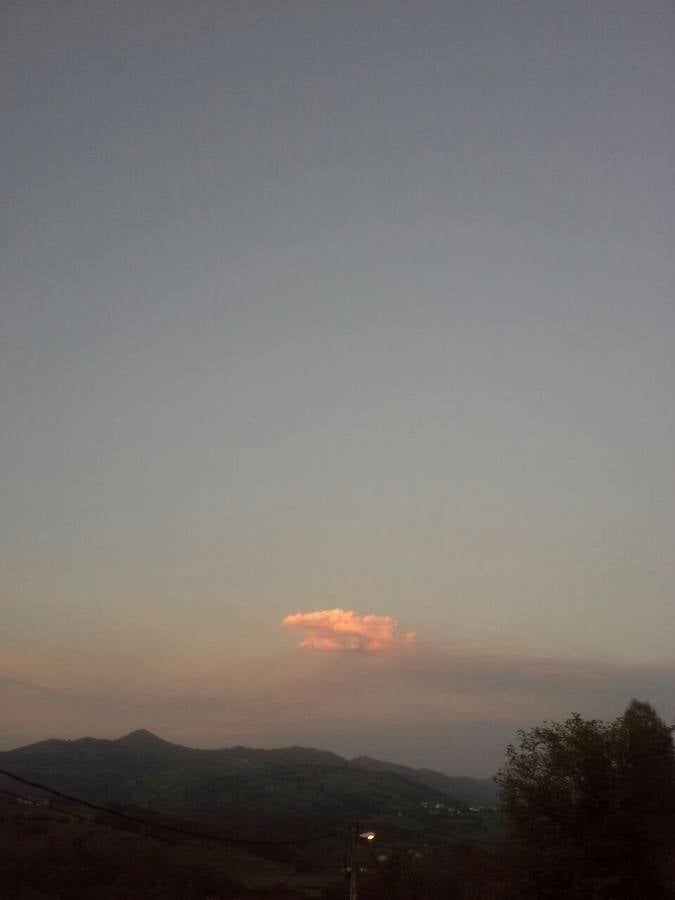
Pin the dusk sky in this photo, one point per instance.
(314, 311)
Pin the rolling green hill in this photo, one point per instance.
(239, 783)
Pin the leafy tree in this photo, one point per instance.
(590, 807)
(645, 799)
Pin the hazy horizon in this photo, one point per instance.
(336, 371)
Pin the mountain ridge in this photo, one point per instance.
(469, 791)
(141, 767)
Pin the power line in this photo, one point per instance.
(147, 823)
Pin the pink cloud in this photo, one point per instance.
(343, 629)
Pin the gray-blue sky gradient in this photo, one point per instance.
(306, 305)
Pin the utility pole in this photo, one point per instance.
(353, 861)
(356, 835)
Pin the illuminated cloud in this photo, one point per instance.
(343, 629)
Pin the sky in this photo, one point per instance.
(318, 311)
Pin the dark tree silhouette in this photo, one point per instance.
(590, 807)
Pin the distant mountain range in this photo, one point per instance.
(467, 791)
(141, 769)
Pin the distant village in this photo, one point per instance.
(436, 808)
